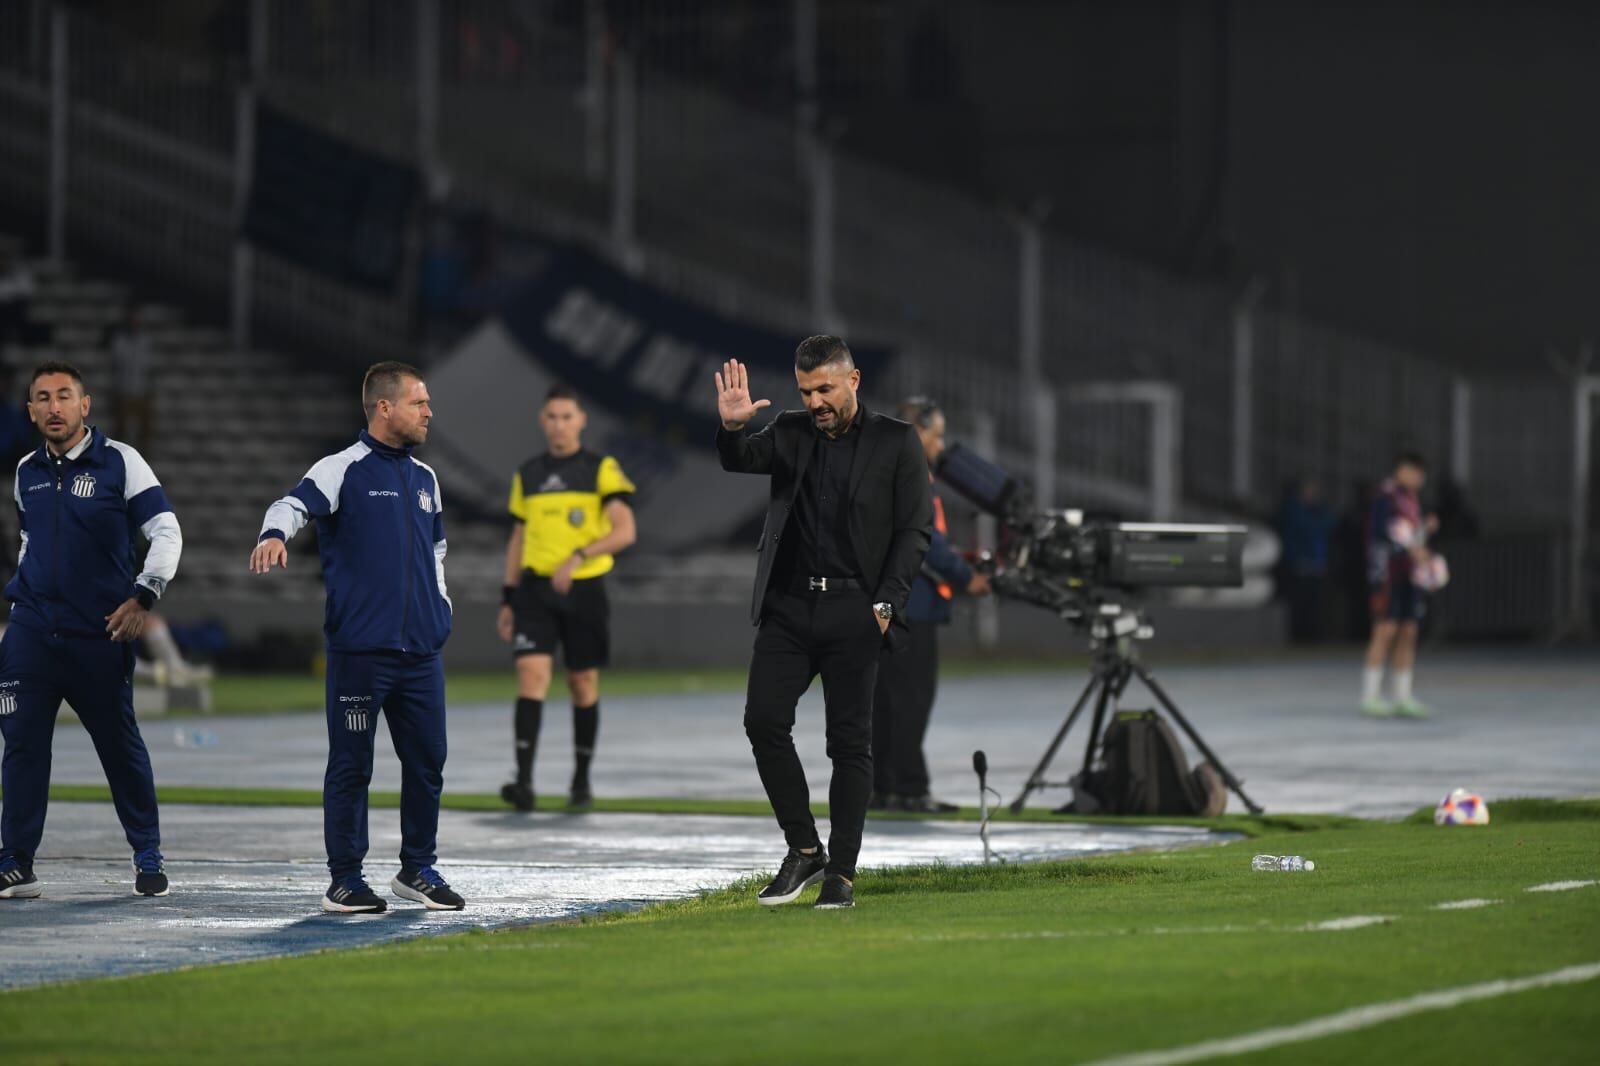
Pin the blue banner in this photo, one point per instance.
(644, 354)
(326, 204)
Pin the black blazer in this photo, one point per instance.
(891, 505)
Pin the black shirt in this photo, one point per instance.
(822, 508)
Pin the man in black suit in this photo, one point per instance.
(848, 523)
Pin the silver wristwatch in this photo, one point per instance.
(884, 611)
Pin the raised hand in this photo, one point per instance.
(733, 396)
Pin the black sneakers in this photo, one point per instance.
(352, 896)
(149, 874)
(519, 796)
(795, 875)
(17, 881)
(426, 887)
(836, 894)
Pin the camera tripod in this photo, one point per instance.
(1115, 665)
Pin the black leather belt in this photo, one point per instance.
(825, 584)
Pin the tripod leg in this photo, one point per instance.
(1036, 779)
(1116, 679)
(1227, 775)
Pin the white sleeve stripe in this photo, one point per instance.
(439, 549)
(138, 475)
(16, 482)
(438, 494)
(166, 546)
(288, 516)
(328, 474)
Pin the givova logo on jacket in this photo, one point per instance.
(83, 485)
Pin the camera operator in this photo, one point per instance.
(908, 677)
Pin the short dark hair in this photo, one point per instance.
(819, 351)
(383, 383)
(919, 410)
(562, 391)
(1410, 458)
(55, 366)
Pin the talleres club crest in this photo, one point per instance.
(83, 485)
(425, 500)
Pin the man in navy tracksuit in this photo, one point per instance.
(381, 535)
(77, 606)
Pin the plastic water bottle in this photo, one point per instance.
(1286, 863)
(194, 738)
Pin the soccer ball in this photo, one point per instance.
(1431, 574)
(1461, 808)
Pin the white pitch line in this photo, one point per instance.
(1356, 1018)
(1464, 904)
(1355, 921)
(1561, 886)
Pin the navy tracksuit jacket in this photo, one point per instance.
(81, 516)
(380, 531)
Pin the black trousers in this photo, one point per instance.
(908, 679)
(834, 635)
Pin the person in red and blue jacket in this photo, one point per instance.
(1397, 539)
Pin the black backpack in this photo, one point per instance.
(1142, 770)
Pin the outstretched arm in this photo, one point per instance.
(317, 496)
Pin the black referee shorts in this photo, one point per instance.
(579, 623)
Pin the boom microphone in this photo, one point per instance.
(980, 764)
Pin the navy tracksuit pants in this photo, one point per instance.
(409, 690)
(95, 676)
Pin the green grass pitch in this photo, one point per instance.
(1058, 962)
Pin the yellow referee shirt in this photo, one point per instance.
(561, 504)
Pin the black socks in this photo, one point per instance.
(528, 716)
(585, 728)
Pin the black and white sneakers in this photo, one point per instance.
(795, 875)
(17, 881)
(836, 894)
(149, 877)
(149, 873)
(426, 887)
(352, 896)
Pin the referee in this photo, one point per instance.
(572, 516)
(381, 534)
(77, 607)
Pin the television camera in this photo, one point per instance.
(1091, 572)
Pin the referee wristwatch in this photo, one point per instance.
(884, 610)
